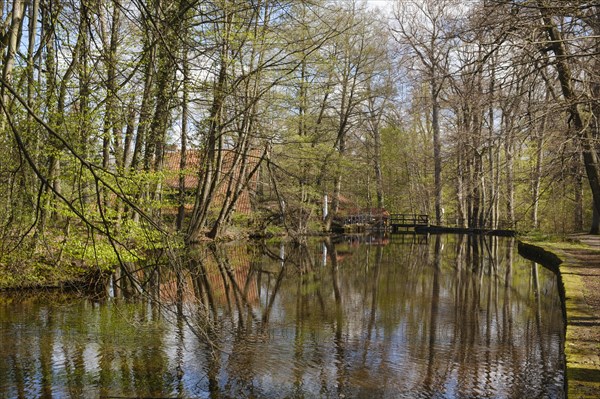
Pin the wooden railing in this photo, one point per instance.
(365, 219)
(393, 219)
(407, 220)
(398, 222)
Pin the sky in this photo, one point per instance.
(381, 4)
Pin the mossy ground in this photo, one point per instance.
(580, 273)
(37, 274)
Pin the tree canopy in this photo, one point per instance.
(128, 126)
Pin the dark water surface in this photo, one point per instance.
(410, 317)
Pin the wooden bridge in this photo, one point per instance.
(394, 222)
(360, 222)
(399, 221)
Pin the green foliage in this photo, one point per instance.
(23, 268)
(309, 81)
(541, 236)
(407, 170)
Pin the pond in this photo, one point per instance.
(406, 316)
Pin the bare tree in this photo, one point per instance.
(425, 28)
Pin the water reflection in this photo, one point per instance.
(406, 317)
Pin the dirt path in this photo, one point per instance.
(580, 271)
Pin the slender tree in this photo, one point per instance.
(425, 29)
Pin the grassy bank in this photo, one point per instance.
(577, 261)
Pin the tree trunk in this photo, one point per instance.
(595, 228)
(437, 149)
(578, 187)
(509, 170)
(565, 77)
(48, 19)
(184, 134)
(138, 158)
(537, 176)
(377, 166)
(111, 132)
(16, 23)
(211, 160)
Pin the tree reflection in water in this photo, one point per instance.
(410, 316)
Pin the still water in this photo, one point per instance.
(406, 317)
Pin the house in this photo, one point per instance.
(193, 172)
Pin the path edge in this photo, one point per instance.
(581, 373)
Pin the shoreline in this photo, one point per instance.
(577, 265)
(576, 262)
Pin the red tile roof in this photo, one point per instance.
(192, 173)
